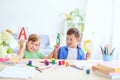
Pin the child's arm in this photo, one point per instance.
(87, 55)
(21, 49)
(55, 51)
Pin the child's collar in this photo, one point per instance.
(68, 47)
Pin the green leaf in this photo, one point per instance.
(9, 50)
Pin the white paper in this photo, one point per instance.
(17, 72)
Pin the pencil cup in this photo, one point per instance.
(107, 57)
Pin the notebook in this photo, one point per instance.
(117, 76)
(17, 72)
(112, 66)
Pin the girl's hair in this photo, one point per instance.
(33, 37)
(74, 31)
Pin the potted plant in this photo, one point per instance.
(5, 40)
(75, 19)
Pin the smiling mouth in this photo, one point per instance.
(32, 49)
(69, 44)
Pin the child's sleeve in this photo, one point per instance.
(41, 55)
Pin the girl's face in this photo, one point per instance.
(33, 46)
(72, 41)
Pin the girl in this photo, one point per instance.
(31, 49)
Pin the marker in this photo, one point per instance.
(59, 63)
(74, 66)
(30, 62)
(37, 68)
(88, 71)
(45, 68)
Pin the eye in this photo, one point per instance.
(36, 44)
(32, 43)
(71, 39)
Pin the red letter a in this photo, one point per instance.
(22, 32)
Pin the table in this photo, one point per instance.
(61, 72)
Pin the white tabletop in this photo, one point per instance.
(61, 72)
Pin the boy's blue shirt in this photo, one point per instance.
(63, 53)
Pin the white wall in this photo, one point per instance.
(39, 16)
(46, 17)
(98, 20)
(102, 18)
(116, 29)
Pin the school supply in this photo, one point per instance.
(45, 67)
(109, 69)
(107, 50)
(88, 71)
(36, 67)
(94, 68)
(107, 76)
(17, 72)
(111, 66)
(76, 67)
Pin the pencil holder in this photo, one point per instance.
(107, 57)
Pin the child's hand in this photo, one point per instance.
(87, 55)
(21, 43)
(56, 47)
(55, 51)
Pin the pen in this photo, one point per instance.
(102, 50)
(38, 69)
(105, 50)
(112, 51)
(45, 68)
(109, 48)
(74, 66)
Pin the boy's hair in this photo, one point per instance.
(74, 31)
(33, 37)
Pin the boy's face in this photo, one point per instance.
(72, 41)
(33, 46)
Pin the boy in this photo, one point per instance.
(71, 50)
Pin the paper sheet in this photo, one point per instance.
(17, 72)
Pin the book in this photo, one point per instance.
(104, 71)
(17, 72)
(111, 66)
(117, 76)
